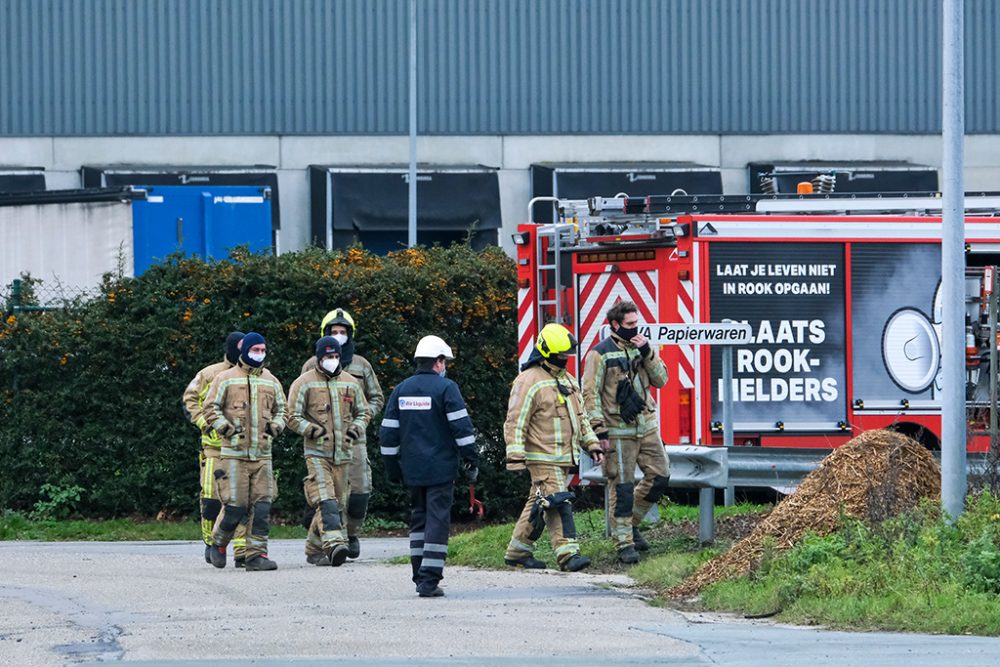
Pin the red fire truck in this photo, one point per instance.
(842, 295)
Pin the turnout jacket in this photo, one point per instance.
(248, 398)
(426, 428)
(363, 372)
(546, 422)
(194, 401)
(335, 403)
(608, 363)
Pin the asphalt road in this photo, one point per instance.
(159, 603)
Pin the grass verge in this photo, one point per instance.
(674, 551)
(14, 526)
(915, 572)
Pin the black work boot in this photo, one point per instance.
(526, 562)
(239, 562)
(575, 563)
(353, 546)
(260, 563)
(640, 542)
(338, 554)
(628, 555)
(429, 590)
(217, 555)
(318, 559)
(208, 553)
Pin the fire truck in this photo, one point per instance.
(842, 294)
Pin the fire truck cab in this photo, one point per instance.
(842, 295)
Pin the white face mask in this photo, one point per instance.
(331, 365)
(257, 357)
(340, 338)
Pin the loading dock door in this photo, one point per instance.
(370, 206)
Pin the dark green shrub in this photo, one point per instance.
(91, 394)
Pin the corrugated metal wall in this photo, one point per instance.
(85, 67)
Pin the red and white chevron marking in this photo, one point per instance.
(685, 309)
(525, 323)
(600, 291)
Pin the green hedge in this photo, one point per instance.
(90, 417)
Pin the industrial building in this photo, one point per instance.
(303, 104)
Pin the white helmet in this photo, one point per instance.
(432, 347)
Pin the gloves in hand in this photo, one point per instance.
(516, 465)
(227, 430)
(354, 433)
(470, 471)
(273, 429)
(314, 431)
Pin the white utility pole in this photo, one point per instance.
(953, 418)
(412, 182)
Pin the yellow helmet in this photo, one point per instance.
(337, 316)
(555, 339)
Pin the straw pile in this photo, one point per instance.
(873, 477)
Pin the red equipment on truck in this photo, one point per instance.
(842, 296)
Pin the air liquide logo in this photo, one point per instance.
(414, 402)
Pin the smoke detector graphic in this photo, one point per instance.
(911, 347)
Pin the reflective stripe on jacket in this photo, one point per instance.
(335, 403)
(363, 372)
(609, 362)
(194, 401)
(247, 398)
(544, 424)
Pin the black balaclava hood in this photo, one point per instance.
(232, 349)
(251, 339)
(325, 346)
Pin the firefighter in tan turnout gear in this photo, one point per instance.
(619, 373)
(208, 458)
(327, 408)
(246, 406)
(339, 324)
(545, 429)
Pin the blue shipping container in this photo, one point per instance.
(202, 221)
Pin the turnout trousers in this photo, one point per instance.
(430, 521)
(211, 504)
(546, 479)
(360, 477)
(246, 489)
(326, 490)
(629, 502)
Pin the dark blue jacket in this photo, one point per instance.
(425, 430)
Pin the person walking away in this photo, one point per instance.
(425, 434)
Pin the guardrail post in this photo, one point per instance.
(727, 413)
(706, 516)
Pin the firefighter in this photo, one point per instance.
(208, 458)
(546, 425)
(327, 408)
(619, 373)
(246, 406)
(426, 431)
(339, 324)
